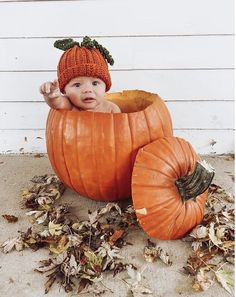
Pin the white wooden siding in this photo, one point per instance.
(181, 84)
(116, 18)
(183, 50)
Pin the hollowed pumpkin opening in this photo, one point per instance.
(132, 101)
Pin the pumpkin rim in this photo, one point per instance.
(156, 100)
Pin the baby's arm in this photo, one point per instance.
(53, 96)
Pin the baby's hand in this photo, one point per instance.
(50, 89)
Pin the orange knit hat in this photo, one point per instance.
(82, 60)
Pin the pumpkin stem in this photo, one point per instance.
(190, 186)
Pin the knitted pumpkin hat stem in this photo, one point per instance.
(88, 58)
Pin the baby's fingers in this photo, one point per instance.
(48, 86)
(45, 88)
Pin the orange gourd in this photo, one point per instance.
(169, 188)
(93, 153)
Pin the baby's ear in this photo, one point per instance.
(63, 92)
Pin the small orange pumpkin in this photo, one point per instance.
(94, 153)
(169, 188)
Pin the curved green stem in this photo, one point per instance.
(190, 186)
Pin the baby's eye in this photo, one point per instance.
(77, 85)
(95, 82)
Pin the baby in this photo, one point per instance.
(83, 78)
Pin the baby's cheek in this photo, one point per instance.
(74, 96)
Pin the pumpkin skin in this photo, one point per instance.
(161, 211)
(93, 153)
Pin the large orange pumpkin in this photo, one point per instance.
(94, 153)
(169, 188)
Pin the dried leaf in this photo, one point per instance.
(38, 155)
(115, 236)
(224, 278)
(198, 260)
(25, 193)
(109, 254)
(140, 291)
(199, 232)
(229, 197)
(134, 277)
(153, 252)
(196, 245)
(76, 226)
(38, 216)
(134, 282)
(150, 254)
(202, 282)
(94, 261)
(82, 285)
(46, 188)
(54, 229)
(49, 283)
(163, 255)
(10, 244)
(10, 218)
(48, 265)
(62, 245)
(109, 207)
(45, 200)
(75, 240)
(219, 193)
(213, 236)
(93, 217)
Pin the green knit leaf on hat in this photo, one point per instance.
(65, 44)
(104, 52)
(87, 42)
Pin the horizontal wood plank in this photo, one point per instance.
(185, 115)
(209, 141)
(184, 52)
(203, 141)
(202, 115)
(169, 84)
(115, 18)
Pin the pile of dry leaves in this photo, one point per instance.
(82, 250)
(213, 243)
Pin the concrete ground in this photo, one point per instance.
(16, 268)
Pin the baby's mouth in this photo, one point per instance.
(88, 100)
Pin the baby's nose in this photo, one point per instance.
(87, 89)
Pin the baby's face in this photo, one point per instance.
(85, 93)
